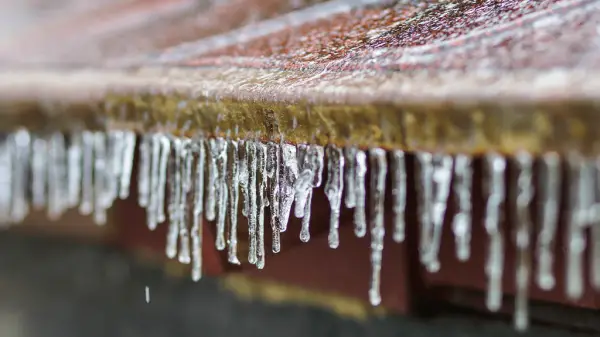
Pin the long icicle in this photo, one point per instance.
(175, 199)
(461, 224)
(6, 169)
(494, 266)
(273, 158)
(221, 193)
(398, 167)
(198, 209)
(549, 202)
(261, 203)
(234, 182)
(161, 185)
(377, 191)
(522, 199)
(442, 177)
(252, 206)
(187, 159)
(581, 178)
(154, 182)
(595, 231)
(350, 176)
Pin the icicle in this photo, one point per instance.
(114, 158)
(243, 176)
(494, 266)
(74, 169)
(144, 170)
(398, 167)
(175, 198)
(305, 230)
(350, 176)
(161, 184)
(211, 196)
(581, 177)
(461, 224)
(303, 184)
(198, 209)
(261, 203)
(273, 159)
(434, 188)
(549, 201)
(595, 230)
(287, 176)
(252, 205)
(233, 183)
(333, 190)
(154, 183)
(39, 162)
(21, 154)
(6, 169)
(128, 155)
(56, 179)
(522, 199)
(360, 217)
(87, 185)
(186, 187)
(221, 193)
(100, 178)
(312, 161)
(378, 175)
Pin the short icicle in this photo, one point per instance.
(143, 183)
(495, 166)
(21, 143)
(333, 191)
(39, 162)
(74, 169)
(87, 184)
(6, 169)
(522, 199)
(287, 176)
(377, 191)
(128, 157)
(398, 167)
(350, 176)
(101, 187)
(360, 190)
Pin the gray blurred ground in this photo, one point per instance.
(53, 288)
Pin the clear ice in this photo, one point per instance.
(378, 175)
(204, 177)
(333, 191)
